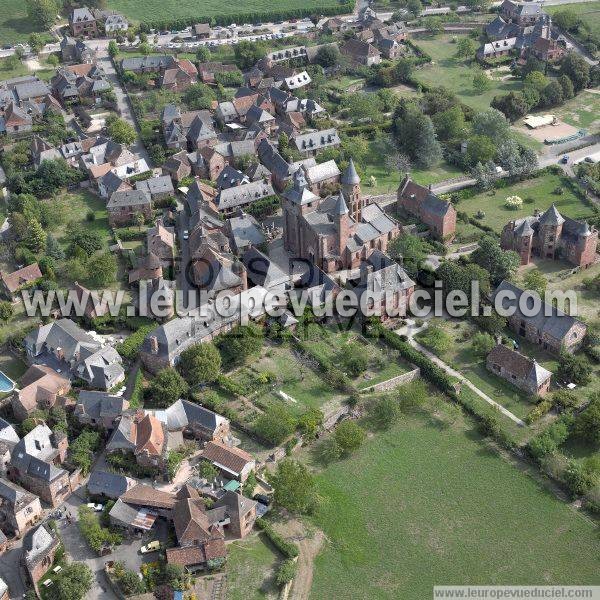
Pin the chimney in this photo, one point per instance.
(153, 344)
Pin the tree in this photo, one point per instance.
(241, 343)
(532, 64)
(437, 339)
(167, 387)
(516, 159)
(294, 487)
(53, 60)
(362, 107)
(410, 251)
(85, 239)
(493, 324)
(575, 67)
(567, 87)
(35, 238)
(498, 263)
(207, 470)
(74, 582)
(513, 105)
(536, 80)
(493, 124)
(485, 175)
(36, 42)
(587, 424)
(199, 96)
(42, 12)
(574, 369)
(200, 363)
(566, 18)
(535, 281)
(203, 54)
(564, 400)
(120, 130)
(404, 69)
(113, 49)
(102, 269)
(415, 135)
(449, 124)
(552, 94)
(385, 412)
(480, 148)
(349, 436)
(465, 48)
(328, 56)
(356, 148)
(482, 343)
(455, 276)
(309, 423)
(275, 424)
(481, 82)
(130, 583)
(354, 359)
(248, 53)
(6, 310)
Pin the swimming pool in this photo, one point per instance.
(6, 383)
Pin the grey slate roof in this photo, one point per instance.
(243, 194)
(153, 61)
(551, 217)
(111, 485)
(263, 271)
(245, 231)
(156, 185)
(37, 542)
(98, 405)
(557, 324)
(230, 177)
(322, 171)
(29, 90)
(7, 432)
(316, 140)
(128, 198)
(183, 413)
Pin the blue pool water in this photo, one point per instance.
(6, 384)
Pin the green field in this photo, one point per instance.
(588, 11)
(154, 10)
(428, 503)
(15, 25)
(457, 75)
(540, 190)
(250, 569)
(581, 111)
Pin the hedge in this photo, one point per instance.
(283, 14)
(130, 348)
(288, 549)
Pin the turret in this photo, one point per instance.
(351, 187)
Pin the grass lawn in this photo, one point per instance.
(540, 189)
(12, 366)
(15, 25)
(428, 503)
(462, 358)
(388, 182)
(295, 378)
(151, 10)
(384, 363)
(588, 11)
(582, 111)
(251, 564)
(455, 74)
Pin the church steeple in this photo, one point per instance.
(351, 187)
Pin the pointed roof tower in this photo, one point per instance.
(350, 176)
(340, 207)
(551, 217)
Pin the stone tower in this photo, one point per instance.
(342, 221)
(549, 232)
(351, 187)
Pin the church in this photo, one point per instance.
(337, 232)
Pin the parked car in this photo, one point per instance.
(95, 507)
(262, 499)
(150, 547)
(589, 159)
(564, 159)
(186, 234)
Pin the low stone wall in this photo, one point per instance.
(389, 384)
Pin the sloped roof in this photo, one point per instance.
(17, 279)
(519, 365)
(232, 459)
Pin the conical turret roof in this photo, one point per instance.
(350, 176)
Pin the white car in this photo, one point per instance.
(95, 507)
(186, 234)
(151, 547)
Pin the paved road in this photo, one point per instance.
(123, 104)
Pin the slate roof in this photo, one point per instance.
(244, 231)
(153, 61)
(316, 140)
(128, 198)
(183, 413)
(551, 217)
(98, 405)
(156, 185)
(8, 433)
(32, 452)
(271, 159)
(32, 89)
(557, 324)
(37, 543)
(107, 484)
(262, 270)
(322, 171)
(522, 367)
(243, 194)
(128, 516)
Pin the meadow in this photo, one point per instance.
(155, 10)
(428, 502)
(587, 11)
(537, 193)
(15, 25)
(456, 74)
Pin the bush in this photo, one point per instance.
(286, 572)
(130, 348)
(275, 424)
(288, 549)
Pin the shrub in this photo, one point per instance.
(130, 348)
(288, 549)
(513, 202)
(286, 572)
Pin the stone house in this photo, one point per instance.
(319, 176)
(99, 409)
(421, 202)
(160, 241)
(13, 282)
(35, 464)
(550, 328)
(19, 509)
(360, 53)
(197, 422)
(550, 235)
(39, 549)
(41, 388)
(124, 207)
(234, 463)
(523, 372)
(83, 23)
(522, 13)
(309, 144)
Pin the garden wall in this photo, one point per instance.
(389, 384)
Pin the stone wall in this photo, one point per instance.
(394, 381)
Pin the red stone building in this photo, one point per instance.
(419, 201)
